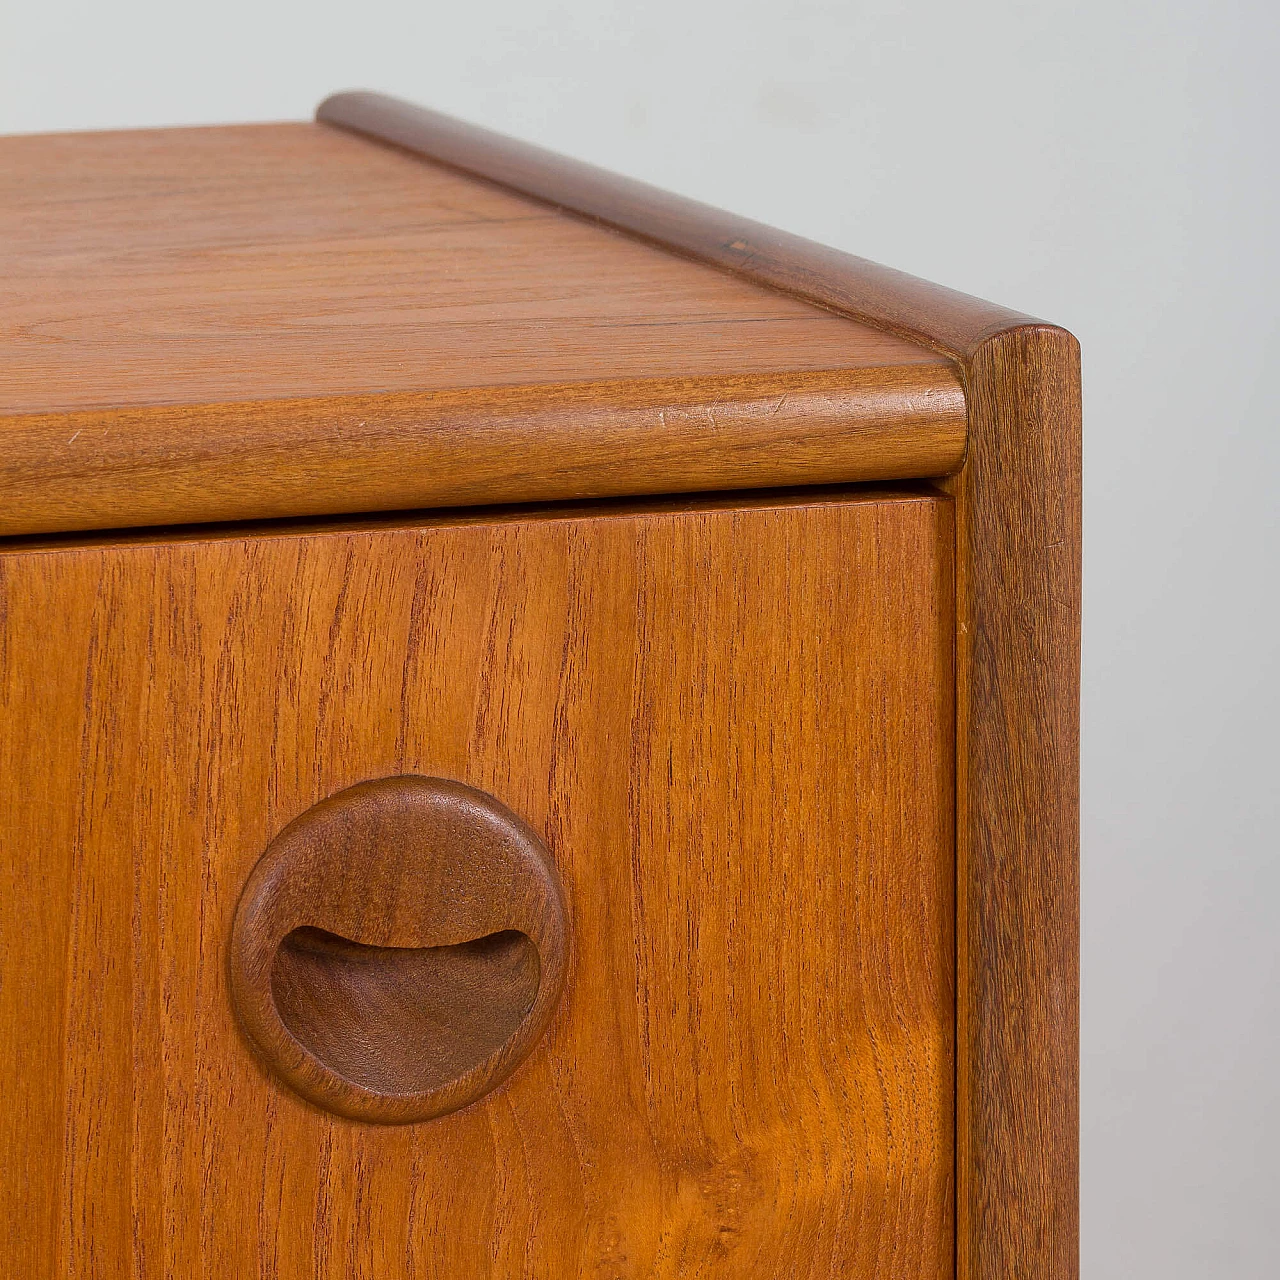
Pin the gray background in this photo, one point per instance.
(1109, 165)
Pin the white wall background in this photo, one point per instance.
(1110, 165)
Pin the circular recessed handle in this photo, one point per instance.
(399, 949)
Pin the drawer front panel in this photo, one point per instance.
(731, 727)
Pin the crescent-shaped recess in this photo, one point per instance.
(399, 949)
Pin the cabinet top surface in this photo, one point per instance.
(261, 262)
(281, 320)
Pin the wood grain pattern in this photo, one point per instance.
(1018, 800)
(275, 320)
(733, 730)
(1018, 672)
(940, 319)
(399, 949)
(386, 453)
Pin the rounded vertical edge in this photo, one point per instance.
(1018, 819)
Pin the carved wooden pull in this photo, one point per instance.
(399, 949)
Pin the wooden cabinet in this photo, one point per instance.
(537, 728)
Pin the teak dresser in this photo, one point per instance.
(538, 728)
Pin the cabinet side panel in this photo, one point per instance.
(734, 730)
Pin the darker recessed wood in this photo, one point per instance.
(403, 1020)
(399, 949)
